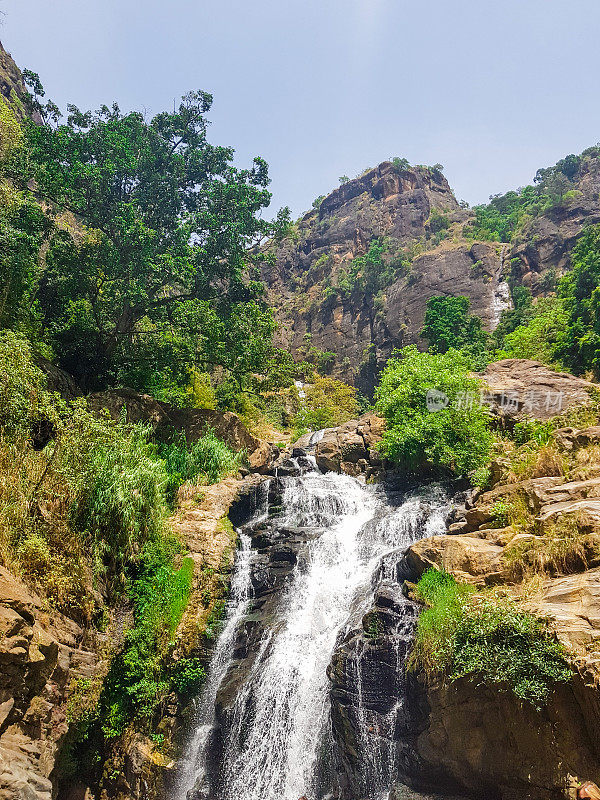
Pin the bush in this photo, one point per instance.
(206, 460)
(465, 635)
(328, 403)
(117, 483)
(538, 337)
(22, 386)
(454, 438)
(448, 325)
(137, 681)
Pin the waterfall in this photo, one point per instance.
(277, 730)
(237, 606)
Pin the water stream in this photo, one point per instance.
(278, 729)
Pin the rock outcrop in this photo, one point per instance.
(521, 388)
(465, 736)
(396, 204)
(352, 447)
(43, 656)
(542, 251)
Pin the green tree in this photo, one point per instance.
(579, 344)
(448, 324)
(537, 338)
(164, 239)
(434, 418)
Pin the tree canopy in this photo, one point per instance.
(152, 261)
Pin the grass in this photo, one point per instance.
(486, 638)
(205, 461)
(563, 547)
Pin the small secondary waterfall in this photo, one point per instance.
(276, 740)
(193, 763)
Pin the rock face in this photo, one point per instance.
(396, 204)
(352, 447)
(41, 659)
(544, 247)
(11, 83)
(520, 388)
(465, 736)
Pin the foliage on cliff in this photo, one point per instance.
(434, 418)
(462, 634)
(505, 215)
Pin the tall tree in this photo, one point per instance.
(157, 238)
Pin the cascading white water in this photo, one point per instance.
(237, 606)
(280, 716)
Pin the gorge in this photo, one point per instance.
(291, 509)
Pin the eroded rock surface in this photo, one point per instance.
(42, 656)
(352, 447)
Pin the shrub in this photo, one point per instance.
(465, 635)
(137, 681)
(448, 325)
(22, 386)
(187, 677)
(206, 460)
(454, 438)
(328, 402)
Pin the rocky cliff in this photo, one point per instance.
(535, 537)
(11, 82)
(403, 208)
(428, 249)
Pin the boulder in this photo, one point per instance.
(520, 388)
(469, 559)
(352, 447)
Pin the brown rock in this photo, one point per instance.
(572, 603)
(521, 388)
(469, 559)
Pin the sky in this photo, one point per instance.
(325, 88)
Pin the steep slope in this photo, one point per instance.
(412, 213)
(327, 298)
(542, 247)
(11, 82)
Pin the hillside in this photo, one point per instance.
(430, 246)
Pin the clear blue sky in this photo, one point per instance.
(323, 88)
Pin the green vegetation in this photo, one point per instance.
(328, 403)
(538, 337)
(579, 347)
(83, 519)
(455, 435)
(505, 215)
(449, 326)
(137, 681)
(206, 460)
(462, 634)
(135, 260)
(369, 274)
